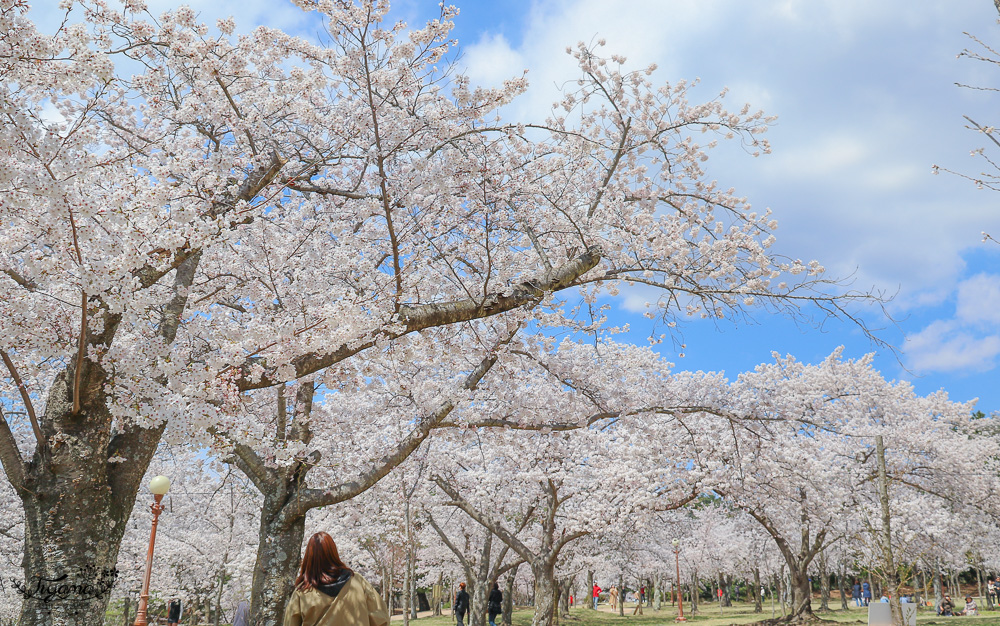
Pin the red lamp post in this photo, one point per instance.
(159, 487)
(680, 598)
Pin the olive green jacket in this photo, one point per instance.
(357, 604)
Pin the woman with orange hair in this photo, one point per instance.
(328, 593)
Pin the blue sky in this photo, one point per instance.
(866, 102)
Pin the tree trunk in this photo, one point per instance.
(842, 587)
(923, 584)
(659, 594)
(478, 595)
(218, 595)
(694, 592)
(406, 585)
(979, 581)
(780, 586)
(564, 592)
(545, 594)
(277, 564)
(724, 585)
(414, 601)
(590, 590)
(508, 597)
(801, 594)
(757, 607)
(72, 533)
(890, 573)
(982, 574)
(438, 595)
(938, 585)
(621, 596)
(824, 583)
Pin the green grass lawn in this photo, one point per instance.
(708, 615)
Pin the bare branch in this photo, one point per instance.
(10, 456)
(81, 352)
(20, 280)
(25, 398)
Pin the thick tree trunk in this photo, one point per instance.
(545, 594)
(801, 594)
(590, 590)
(979, 582)
(564, 591)
(658, 602)
(74, 526)
(477, 612)
(757, 607)
(726, 600)
(277, 565)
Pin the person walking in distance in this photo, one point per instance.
(328, 593)
(242, 617)
(174, 611)
(597, 592)
(461, 604)
(494, 604)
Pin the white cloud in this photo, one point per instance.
(944, 346)
(979, 300)
(491, 61)
(866, 103)
(967, 342)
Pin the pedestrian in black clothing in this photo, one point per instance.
(495, 604)
(461, 603)
(174, 611)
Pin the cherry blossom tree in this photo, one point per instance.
(560, 475)
(204, 214)
(808, 462)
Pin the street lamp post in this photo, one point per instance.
(680, 598)
(159, 486)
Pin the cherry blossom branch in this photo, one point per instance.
(487, 522)
(513, 424)
(263, 477)
(419, 317)
(25, 398)
(255, 182)
(611, 171)
(312, 498)
(464, 562)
